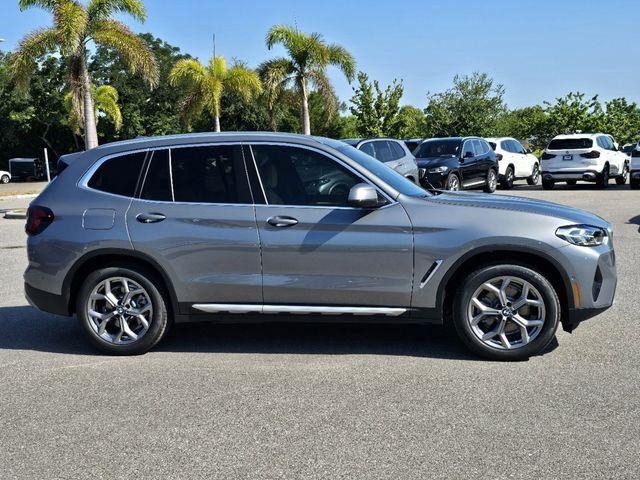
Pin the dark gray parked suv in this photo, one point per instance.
(132, 236)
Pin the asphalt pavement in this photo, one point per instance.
(323, 401)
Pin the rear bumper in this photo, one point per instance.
(560, 175)
(46, 301)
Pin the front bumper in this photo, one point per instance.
(437, 180)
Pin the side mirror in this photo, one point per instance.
(363, 195)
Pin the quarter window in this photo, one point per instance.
(213, 174)
(119, 175)
(368, 149)
(157, 183)
(397, 150)
(383, 151)
(298, 176)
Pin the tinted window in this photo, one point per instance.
(570, 143)
(518, 147)
(438, 148)
(383, 151)
(607, 143)
(157, 183)
(479, 147)
(493, 145)
(397, 150)
(119, 175)
(209, 175)
(368, 149)
(298, 176)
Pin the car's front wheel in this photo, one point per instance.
(492, 181)
(121, 310)
(453, 182)
(5, 179)
(506, 312)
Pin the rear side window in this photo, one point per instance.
(368, 149)
(570, 143)
(213, 174)
(396, 150)
(479, 147)
(119, 175)
(157, 183)
(383, 151)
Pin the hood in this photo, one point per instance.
(425, 162)
(521, 204)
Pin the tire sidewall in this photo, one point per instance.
(5, 179)
(159, 322)
(490, 187)
(473, 281)
(453, 175)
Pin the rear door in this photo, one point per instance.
(468, 164)
(316, 249)
(522, 163)
(196, 218)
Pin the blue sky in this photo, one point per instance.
(537, 49)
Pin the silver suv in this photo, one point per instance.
(394, 153)
(135, 235)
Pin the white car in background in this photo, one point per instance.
(514, 162)
(634, 168)
(589, 157)
(5, 177)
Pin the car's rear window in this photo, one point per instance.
(570, 143)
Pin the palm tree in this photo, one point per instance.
(105, 99)
(308, 58)
(206, 85)
(74, 27)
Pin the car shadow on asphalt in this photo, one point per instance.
(25, 328)
(635, 221)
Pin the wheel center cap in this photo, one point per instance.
(120, 310)
(507, 312)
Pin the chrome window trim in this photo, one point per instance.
(332, 157)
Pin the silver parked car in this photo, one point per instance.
(135, 235)
(394, 153)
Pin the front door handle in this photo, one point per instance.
(282, 221)
(150, 217)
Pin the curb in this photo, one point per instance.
(15, 215)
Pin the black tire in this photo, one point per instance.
(534, 178)
(453, 183)
(634, 184)
(473, 281)
(5, 179)
(572, 183)
(158, 323)
(492, 181)
(507, 179)
(547, 184)
(603, 178)
(622, 178)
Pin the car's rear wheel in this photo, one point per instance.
(547, 184)
(506, 312)
(622, 178)
(603, 178)
(122, 311)
(492, 181)
(534, 178)
(507, 179)
(453, 182)
(5, 179)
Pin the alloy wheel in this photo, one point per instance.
(493, 182)
(119, 310)
(453, 183)
(506, 313)
(535, 176)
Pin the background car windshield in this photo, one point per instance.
(570, 143)
(438, 148)
(379, 169)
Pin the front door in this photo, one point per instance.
(195, 217)
(316, 249)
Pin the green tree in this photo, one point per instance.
(471, 107)
(410, 123)
(75, 26)
(376, 111)
(206, 86)
(105, 99)
(304, 67)
(529, 125)
(622, 120)
(574, 113)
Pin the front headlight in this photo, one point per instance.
(442, 169)
(583, 235)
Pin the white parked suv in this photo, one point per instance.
(514, 162)
(634, 167)
(590, 157)
(5, 177)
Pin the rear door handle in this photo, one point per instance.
(150, 217)
(282, 221)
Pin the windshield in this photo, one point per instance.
(438, 148)
(379, 169)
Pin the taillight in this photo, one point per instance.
(38, 218)
(499, 156)
(547, 156)
(635, 153)
(591, 154)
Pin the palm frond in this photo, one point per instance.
(322, 84)
(131, 48)
(244, 81)
(187, 72)
(191, 107)
(105, 98)
(341, 58)
(70, 20)
(217, 67)
(285, 35)
(103, 9)
(212, 93)
(276, 72)
(44, 4)
(76, 112)
(32, 47)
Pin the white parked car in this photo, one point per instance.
(5, 177)
(634, 167)
(514, 162)
(589, 157)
